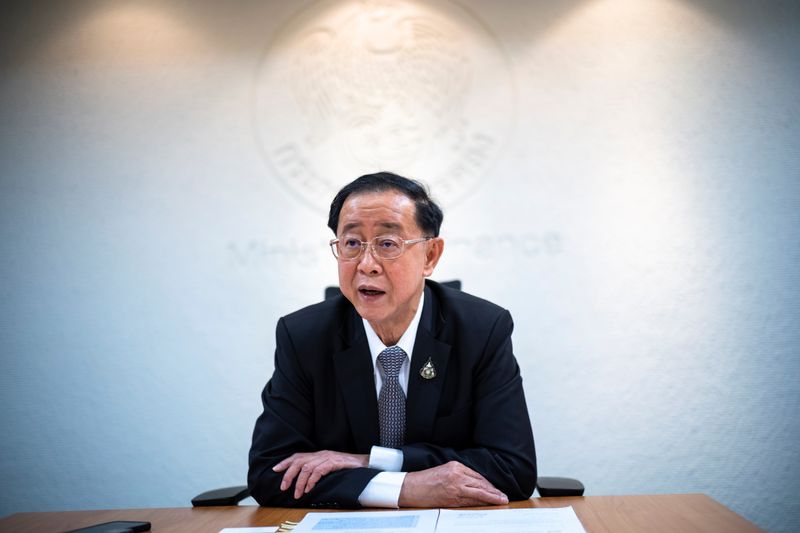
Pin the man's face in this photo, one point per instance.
(385, 292)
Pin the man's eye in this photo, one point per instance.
(351, 243)
(388, 243)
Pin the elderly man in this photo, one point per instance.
(401, 392)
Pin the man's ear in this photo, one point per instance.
(433, 253)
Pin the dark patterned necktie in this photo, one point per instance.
(391, 400)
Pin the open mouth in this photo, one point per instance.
(371, 292)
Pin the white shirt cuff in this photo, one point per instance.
(386, 459)
(383, 490)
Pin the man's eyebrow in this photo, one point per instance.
(391, 225)
(388, 225)
(350, 226)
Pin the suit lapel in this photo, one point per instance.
(354, 374)
(424, 394)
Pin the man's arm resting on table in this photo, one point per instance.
(286, 426)
(448, 485)
(498, 441)
(306, 469)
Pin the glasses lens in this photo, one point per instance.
(349, 247)
(387, 247)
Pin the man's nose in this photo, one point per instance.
(368, 262)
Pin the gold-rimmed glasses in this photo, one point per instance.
(348, 248)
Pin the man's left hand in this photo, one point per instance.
(309, 468)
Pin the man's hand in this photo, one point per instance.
(448, 485)
(309, 468)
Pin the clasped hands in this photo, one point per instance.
(449, 485)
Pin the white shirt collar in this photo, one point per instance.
(406, 342)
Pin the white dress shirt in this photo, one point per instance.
(383, 490)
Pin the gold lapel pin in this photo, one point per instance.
(428, 371)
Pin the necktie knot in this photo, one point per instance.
(391, 359)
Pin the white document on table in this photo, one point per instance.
(423, 521)
(270, 529)
(541, 520)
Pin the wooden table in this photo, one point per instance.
(668, 513)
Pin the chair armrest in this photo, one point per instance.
(559, 486)
(219, 497)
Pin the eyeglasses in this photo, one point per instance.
(348, 248)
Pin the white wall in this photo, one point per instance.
(622, 175)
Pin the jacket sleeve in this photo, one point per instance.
(501, 446)
(286, 426)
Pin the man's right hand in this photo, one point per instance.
(308, 468)
(448, 485)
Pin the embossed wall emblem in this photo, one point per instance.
(350, 87)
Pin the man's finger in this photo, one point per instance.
(474, 475)
(308, 469)
(489, 489)
(322, 469)
(292, 465)
(290, 474)
(300, 482)
(478, 482)
(483, 496)
(283, 465)
(314, 476)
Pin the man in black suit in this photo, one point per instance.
(401, 392)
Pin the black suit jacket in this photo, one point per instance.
(322, 396)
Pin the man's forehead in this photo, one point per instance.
(390, 210)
